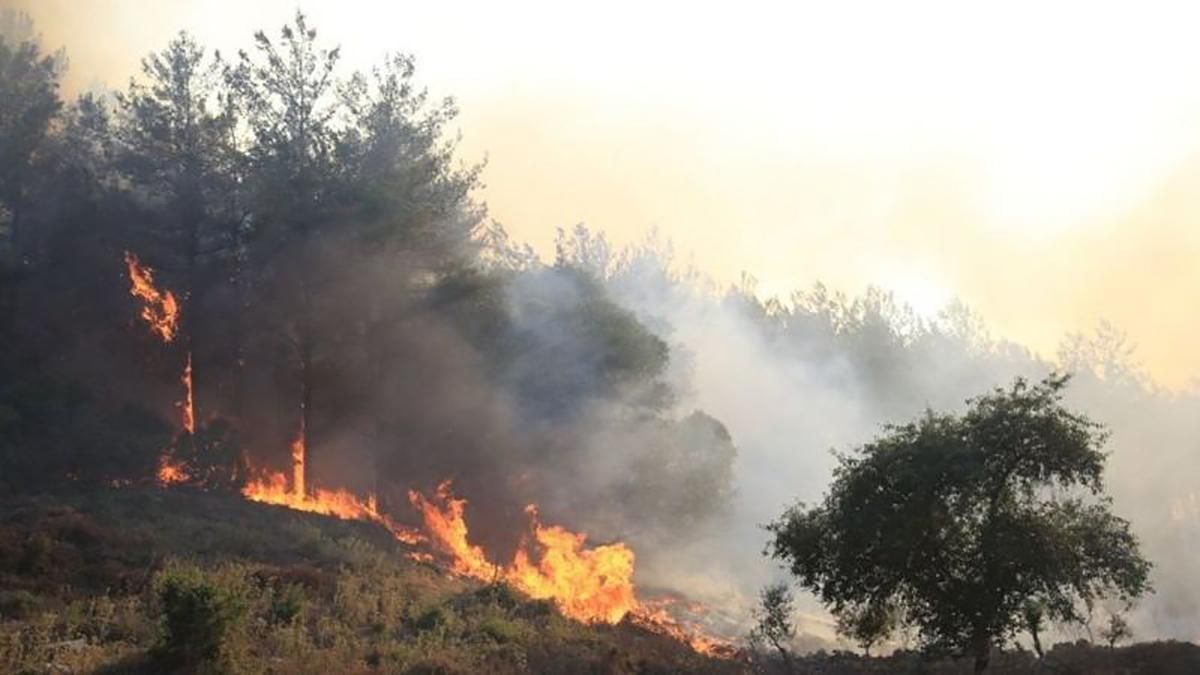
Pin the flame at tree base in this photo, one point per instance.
(273, 488)
(589, 584)
(171, 471)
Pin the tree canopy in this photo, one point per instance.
(334, 274)
(957, 521)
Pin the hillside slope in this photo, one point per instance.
(148, 580)
(101, 582)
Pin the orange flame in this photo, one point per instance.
(654, 615)
(161, 313)
(588, 584)
(159, 308)
(271, 487)
(449, 530)
(593, 585)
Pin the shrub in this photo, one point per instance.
(287, 603)
(434, 619)
(18, 604)
(201, 618)
(504, 630)
(36, 555)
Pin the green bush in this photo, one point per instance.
(287, 604)
(202, 616)
(18, 604)
(434, 619)
(36, 555)
(504, 630)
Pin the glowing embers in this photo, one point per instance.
(171, 471)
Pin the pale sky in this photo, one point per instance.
(1037, 160)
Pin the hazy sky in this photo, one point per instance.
(1037, 160)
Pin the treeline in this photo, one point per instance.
(820, 369)
(337, 277)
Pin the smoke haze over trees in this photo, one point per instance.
(338, 277)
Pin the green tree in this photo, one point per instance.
(773, 620)
(1034, 616)
(959, 520)
(1117, 630)
(203, 614)
(177, 148)
(286, 94)
(867, 625)
(29, 101)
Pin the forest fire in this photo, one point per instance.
(592, 585)
(656, 615)
(161, 311)
(589, 584)
(273, 487)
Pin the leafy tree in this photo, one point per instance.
(176, 139)
(867, 624)
(285, 94)
(773, 620)
(1117, 630)
(959, 520)
(571, 344)
(28, 103)
(1034, 616)
(411, 195)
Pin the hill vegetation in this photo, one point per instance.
(142, 581)
(152, 580)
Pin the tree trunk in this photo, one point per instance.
(1037, 643)
(192, 233)
(306, 357)
(18, 263)
(239, 322)
(982, 649)
(15, 228)
(783, 653)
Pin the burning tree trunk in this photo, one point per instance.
(193, 218)
(161, 312)
(300, 449)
